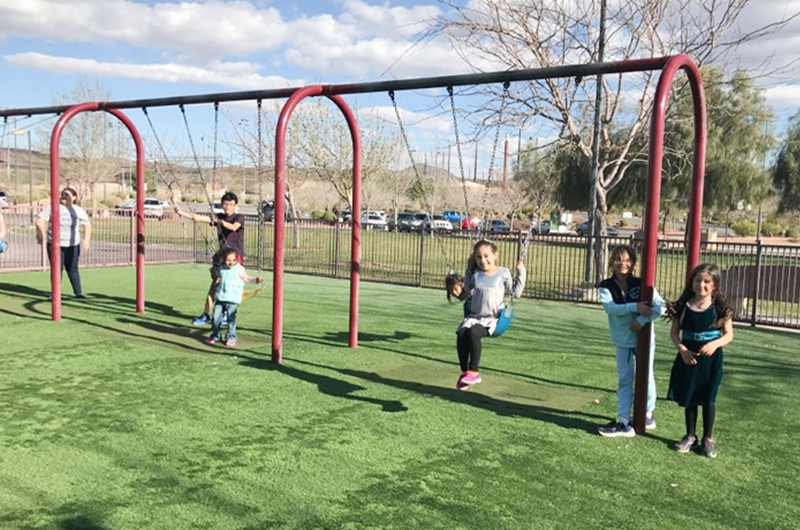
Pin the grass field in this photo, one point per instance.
(113, 420)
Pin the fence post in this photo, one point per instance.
(336, 248)
(132, 237)
(756, 285)
(420, 273)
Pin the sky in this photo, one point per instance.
(149, 49)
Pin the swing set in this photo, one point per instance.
(668, 66)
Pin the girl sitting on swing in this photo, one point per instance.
(484, 287)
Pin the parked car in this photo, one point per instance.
(471, 222)
(416, 224)
(438, 223)
(6, 200)
(400, 224)
(583, 229)
(496, 226)
(373, 221)
(454, 216)
(544, 228)
(152, 208)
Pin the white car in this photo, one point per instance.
(152, 208)
(6, 200)
(438, 224)
(373, 221)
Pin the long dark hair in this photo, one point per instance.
(615, 254)
(722, 309)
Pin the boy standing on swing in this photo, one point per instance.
(230, 229)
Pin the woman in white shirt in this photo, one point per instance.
(71, 217)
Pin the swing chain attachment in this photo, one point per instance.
(458, 151)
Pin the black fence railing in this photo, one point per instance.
(762, 281)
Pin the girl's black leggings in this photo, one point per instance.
(469, 347)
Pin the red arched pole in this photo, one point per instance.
(280, 221)
(280, 215)
(140, 248)
(355, 247)
(653, 198)
(55, 189)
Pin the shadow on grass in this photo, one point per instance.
(80, 522)
(94, 300)
(336, 339)
(326, 385)
(502, 407)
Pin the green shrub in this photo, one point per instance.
(792, 233)
(328, 215)
(744, 228)
(188, 198)
(317, 214)
(771, 229)
(623, 222)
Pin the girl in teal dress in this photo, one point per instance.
(701, 326)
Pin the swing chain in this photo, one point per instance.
(458, 151)
(417, 176)
(503, 102)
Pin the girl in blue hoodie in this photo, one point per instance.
(627, 314)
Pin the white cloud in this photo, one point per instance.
(785, 95)
(239, 75)
(209, 29)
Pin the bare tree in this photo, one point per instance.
(87, 141)
(514, 34)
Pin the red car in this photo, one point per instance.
(471, 222)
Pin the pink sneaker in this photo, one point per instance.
(460, 384)
(210, 340)
(230, 343)
(471, 378)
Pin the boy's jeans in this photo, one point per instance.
(216, 320)
(626, 374)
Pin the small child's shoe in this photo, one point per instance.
(650, 422)
(202, 319)
(224, 319)
(210, 340)
(230, 342)
(460, 384)
(471, 378)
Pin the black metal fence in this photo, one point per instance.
(762, 281)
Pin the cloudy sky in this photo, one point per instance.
(146, 48)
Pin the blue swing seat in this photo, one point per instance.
(3, 245)
(504, 320)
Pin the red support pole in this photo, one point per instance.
(355, 252)
(55, 204)
(280, 215)
(140, 238)
(653, 196)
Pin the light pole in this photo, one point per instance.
(18, 132)
(244, 123)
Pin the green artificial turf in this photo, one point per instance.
(111, 419)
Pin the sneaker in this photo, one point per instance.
(686, 444)
(210, 340)
(710, 447)
(202, 319)
(460, 384)
(81, 296)
(471, 378)
(230, 342)
(650, 423)
(224, 319)
(617, 428)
